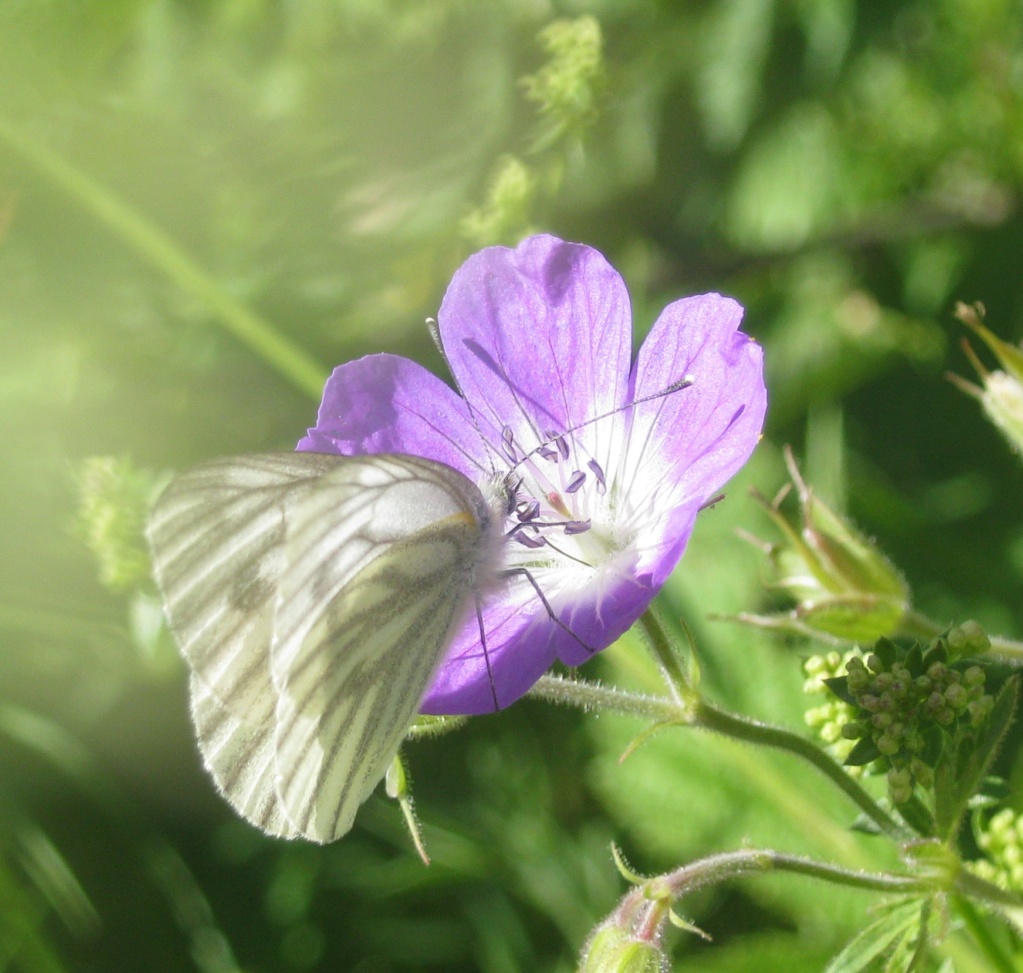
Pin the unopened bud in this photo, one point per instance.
(613, 950)
(842, 584)
(1001, 394)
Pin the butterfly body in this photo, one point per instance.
(313, 597)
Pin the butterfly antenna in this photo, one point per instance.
(553, 439)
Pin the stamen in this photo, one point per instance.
(532, 541)
(598, 473)
(711, 503)
(577, 479)
(508, 444)
(577, 527)
(528, 510)
(562, 446)
(547, 452)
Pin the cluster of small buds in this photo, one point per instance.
(1001, 840)
(907, 703)
(829, 719)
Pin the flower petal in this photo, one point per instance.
(388, 404)
(539, 338)
(684, 446)
(523, 640)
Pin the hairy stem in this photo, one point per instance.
(753, 731)
(592, 696)
(733, 864)
(918, 626)
(704, 714)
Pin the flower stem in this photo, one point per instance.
(916, 625)
(981, 934)
(278, 351)
(704, 714)
(668, 658)
(592, 696)
(973, 886)
(1009, 650)
(732, 864)
(710, 717)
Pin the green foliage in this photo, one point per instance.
(205, 206)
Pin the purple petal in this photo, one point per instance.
(539, 337)
(686, 445)
(523, 641)
(388, 404)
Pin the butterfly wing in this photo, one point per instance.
(217, 537)
(313, 597)
(357, 638)
(238, 752)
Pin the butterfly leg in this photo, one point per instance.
(527, 574)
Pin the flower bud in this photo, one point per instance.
(614, 950)
(843, 586)
(1002, 393)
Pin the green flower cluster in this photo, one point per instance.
(114, 500)
(1002, 841)
(908, 704)
(829, 718)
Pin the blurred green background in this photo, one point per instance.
(204, 206)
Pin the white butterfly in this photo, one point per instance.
(313, 597)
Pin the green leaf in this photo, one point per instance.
(882, 936)
(839, 685)
(962, 773)
(863, 753)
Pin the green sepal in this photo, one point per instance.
(960, 774)
(934, 745)
(839, 685)
(914, 660)
(887, 651)
(863, 753)
(938, 652)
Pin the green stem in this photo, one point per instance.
(982, 937)
(1009, 650)
(169, 258)
(975, 887)
(732, 864)
(918, 626)
(591, 696)
(752, 731)
(668, 658)
(704, 714)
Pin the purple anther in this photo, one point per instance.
(577, 479)
(528, 510)
(562, 446)
(598, 473)
(577, 526)
(532, 541)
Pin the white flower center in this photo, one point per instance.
(562, 514)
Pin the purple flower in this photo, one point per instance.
(539, 340)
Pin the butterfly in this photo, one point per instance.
(313, 596)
